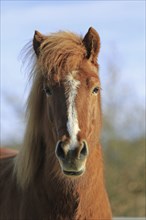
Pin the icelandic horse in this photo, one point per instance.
(58, 172)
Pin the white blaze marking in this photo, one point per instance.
(72, 123)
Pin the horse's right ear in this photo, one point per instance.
(91, 42)
(37, 41)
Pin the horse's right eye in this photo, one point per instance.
(48, 91)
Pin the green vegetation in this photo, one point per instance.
(125, 177)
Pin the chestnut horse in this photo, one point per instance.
(58, 173)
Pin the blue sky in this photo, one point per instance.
(120, 23)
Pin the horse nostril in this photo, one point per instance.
(59, 150)
(84, 149)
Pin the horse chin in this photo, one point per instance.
(73, 174)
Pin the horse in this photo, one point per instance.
(58, 173)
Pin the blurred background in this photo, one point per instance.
(121, 26)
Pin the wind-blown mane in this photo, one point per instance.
(59, 53)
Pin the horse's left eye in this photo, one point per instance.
(95, 90)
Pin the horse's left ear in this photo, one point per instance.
(37, 41)
(91, 42)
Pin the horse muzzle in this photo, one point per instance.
(72, 160)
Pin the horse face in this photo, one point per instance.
(73, 101)
(74, 111)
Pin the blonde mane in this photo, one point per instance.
(60, 53)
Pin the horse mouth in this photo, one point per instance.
(73, 173)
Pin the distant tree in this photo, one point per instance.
(123, 140)
(123, 115)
